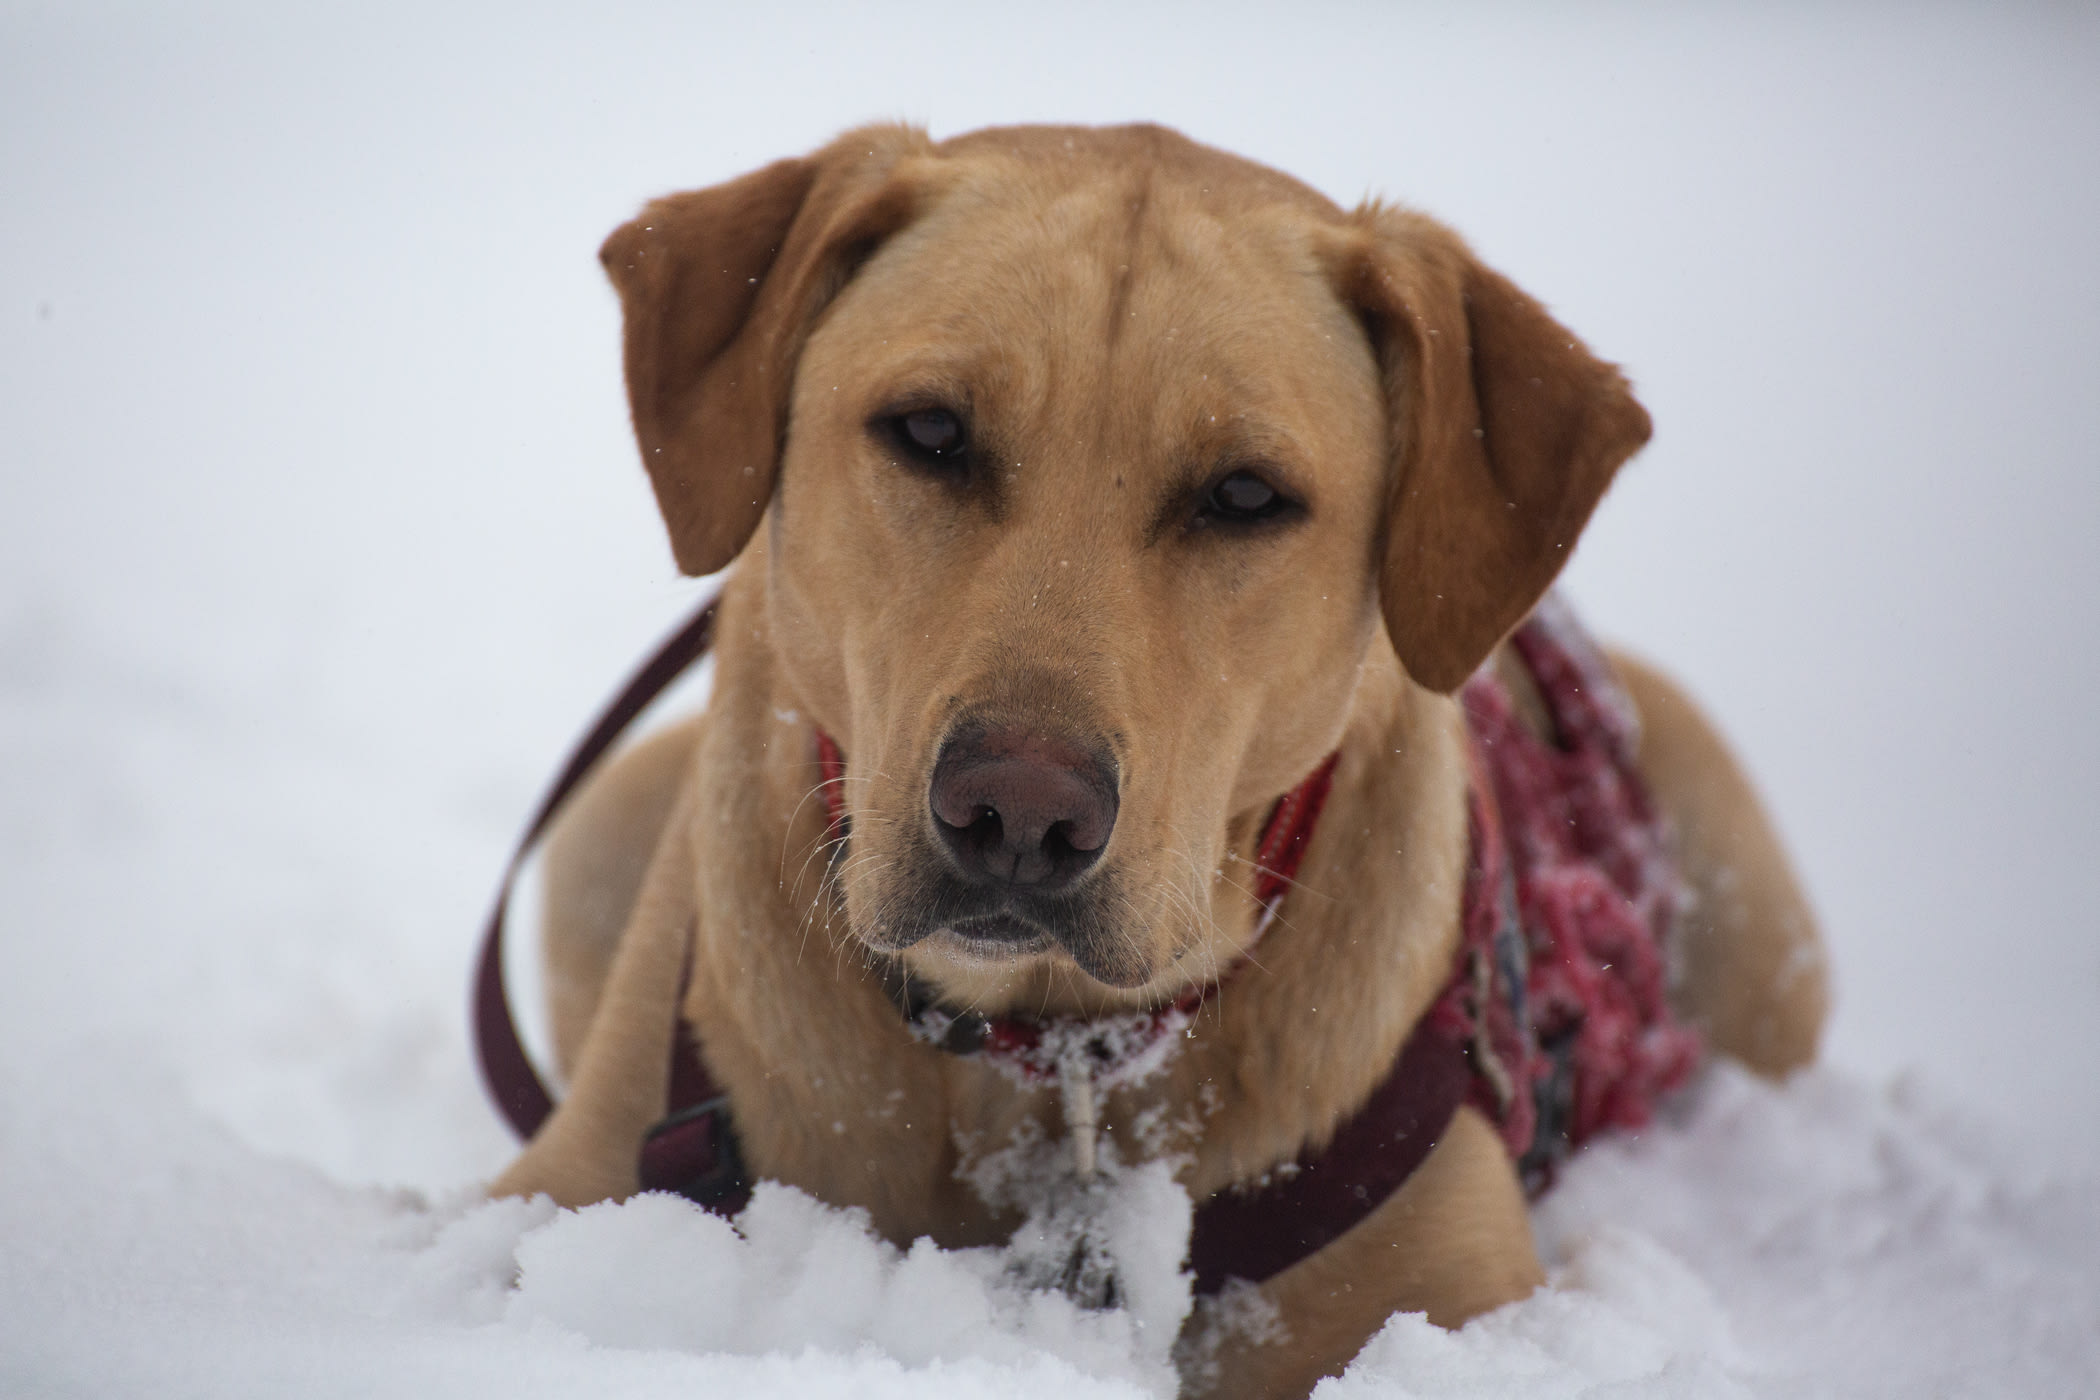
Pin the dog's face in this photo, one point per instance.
(1088, 465)
(1073, 548)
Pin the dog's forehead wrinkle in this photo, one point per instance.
(1107, 240)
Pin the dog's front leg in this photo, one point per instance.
(1453, 1242)
(588, 1150)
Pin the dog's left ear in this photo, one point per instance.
(1504, 431)
(719, 288)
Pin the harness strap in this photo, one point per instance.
(1299, 1209)
(505, 1067)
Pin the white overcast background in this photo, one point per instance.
(322, 533)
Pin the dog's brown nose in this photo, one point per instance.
(1020, 808)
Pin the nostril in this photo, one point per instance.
(1087, 832)
(1059, 843)
(984, 831)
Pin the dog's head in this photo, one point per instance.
(1090, 466)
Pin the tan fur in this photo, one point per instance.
(597, 852)
(1121, 316)
(1752, 974)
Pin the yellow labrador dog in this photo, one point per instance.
(1087, 490)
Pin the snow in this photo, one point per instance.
(320, 534)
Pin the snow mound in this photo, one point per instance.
(1624, 1317)
(795, 1276)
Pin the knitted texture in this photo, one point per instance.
(1569, 909)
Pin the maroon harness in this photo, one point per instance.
(1553, 1022)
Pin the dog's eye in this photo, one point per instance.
(930, 433)
(1243, 496)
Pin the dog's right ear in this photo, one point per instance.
(719, 288)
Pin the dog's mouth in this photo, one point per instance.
(997, 937)
(951, 918)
